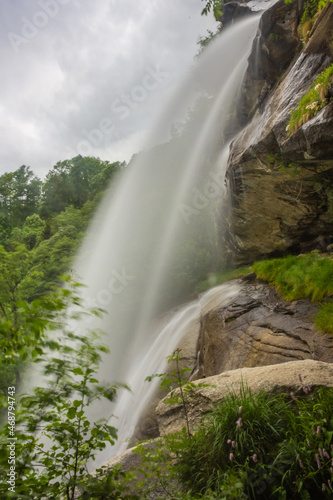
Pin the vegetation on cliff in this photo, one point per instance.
(311, 103)
(302, 277)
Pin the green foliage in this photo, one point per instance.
(55, 438)
(204, 41)
(324, 319)
(298, 277)
(17, 279)
(313, 101)
(50, 226)
(253, 446)
(177, 385)
(160, 477)
(32, 230)
(74, 182)
(215, 6)
(302, 277)
(19, 198)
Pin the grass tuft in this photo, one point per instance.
(298, 277)
(302, 277)
(312, 102)
(282, 449)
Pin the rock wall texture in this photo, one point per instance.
(280, 184)
(258, 328)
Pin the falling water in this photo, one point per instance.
(155, 230)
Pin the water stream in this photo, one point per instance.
(155, 230)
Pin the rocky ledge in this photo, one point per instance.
(258, 328)
(283, 378)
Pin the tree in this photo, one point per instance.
(32, 231)
(19, 195)
(74, 182)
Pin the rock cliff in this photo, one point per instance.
(280, 184)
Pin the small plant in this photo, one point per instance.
(312, 102)
(178, 386)
(215, 6)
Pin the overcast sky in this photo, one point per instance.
(84, 77)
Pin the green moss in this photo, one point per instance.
(312, 102)
(302, 277)
(298, 277)
(324, 319)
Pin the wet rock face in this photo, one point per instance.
(280, 185)
(257, 328)
(273, 50)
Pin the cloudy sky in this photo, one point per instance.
(84, 77)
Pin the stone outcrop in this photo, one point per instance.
(258, 328)
(282, 378)
(243, 324)
(280, 184)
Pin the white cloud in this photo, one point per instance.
(76, 72)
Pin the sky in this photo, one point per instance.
(89, 78)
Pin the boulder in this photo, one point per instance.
(282, 378)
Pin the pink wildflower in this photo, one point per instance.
(231, 456)
(240, 409)
(233, 444)
(255, 458)
(317, 460)
(239, 422)
(292, 395)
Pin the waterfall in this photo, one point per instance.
(155, 233)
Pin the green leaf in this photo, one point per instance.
(71, 413)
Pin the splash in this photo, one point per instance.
(154, 236)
